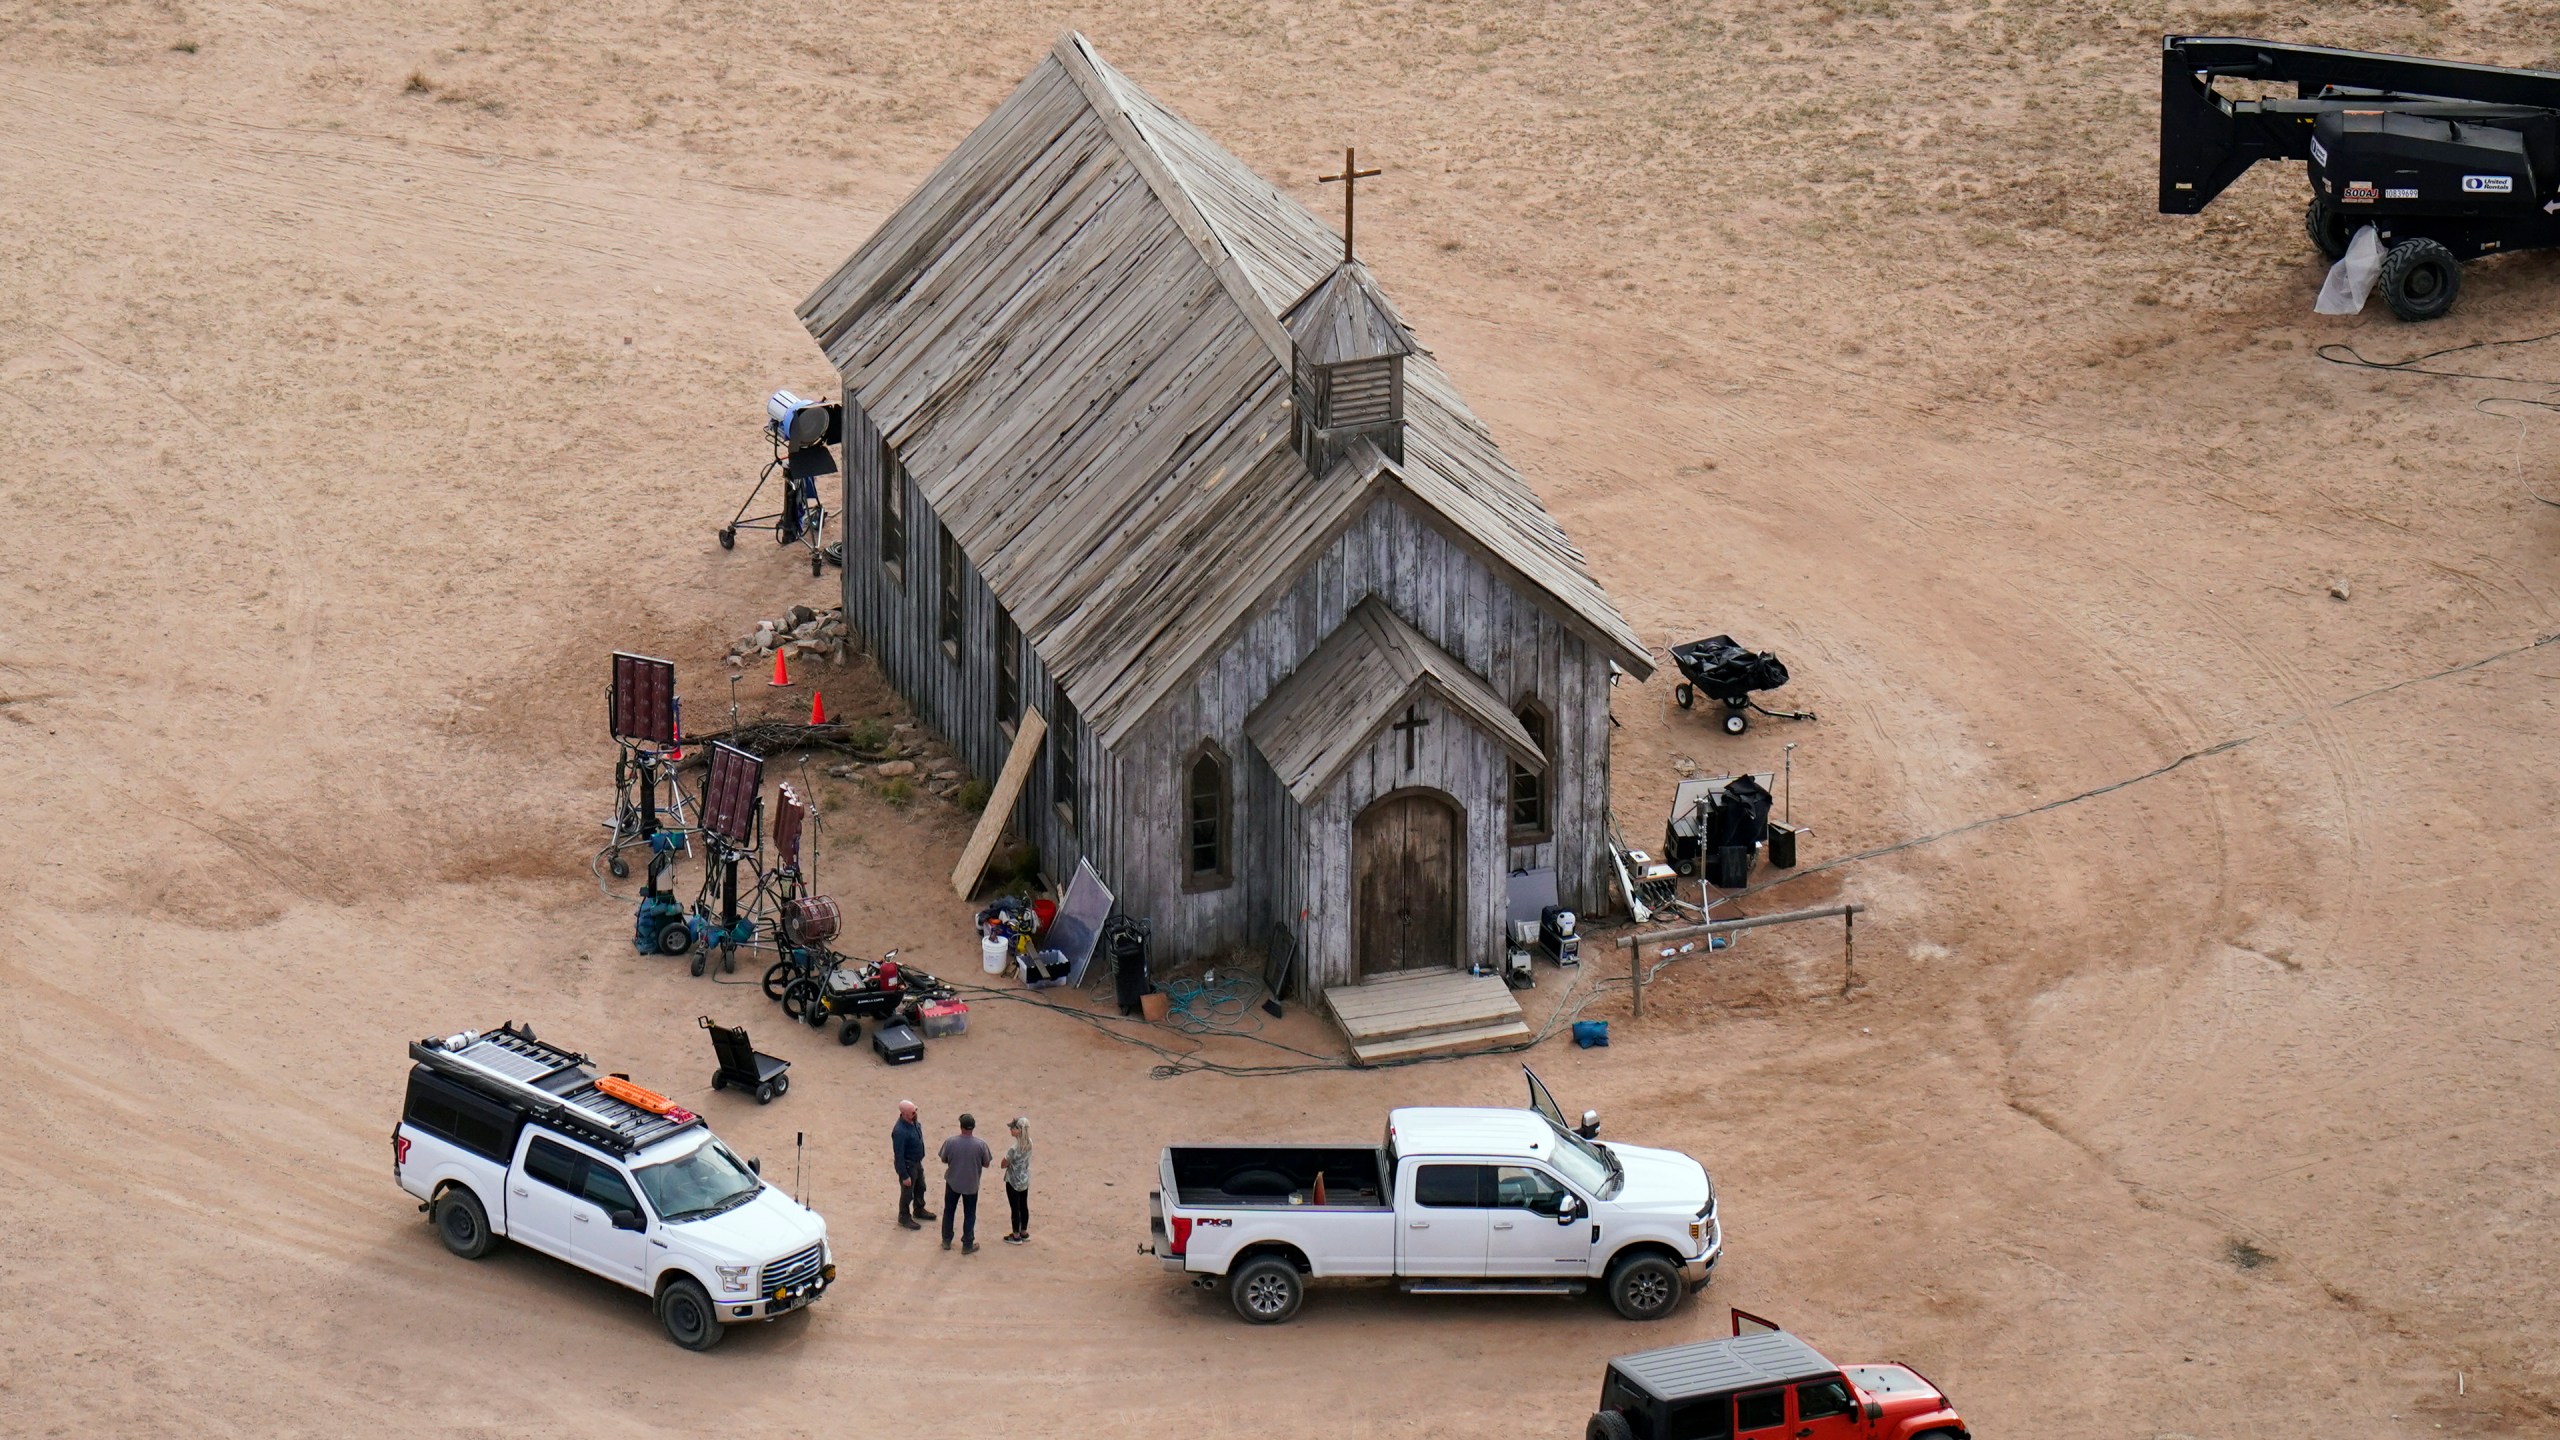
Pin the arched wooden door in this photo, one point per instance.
(1407, 854)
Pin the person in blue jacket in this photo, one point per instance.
(906, 1151)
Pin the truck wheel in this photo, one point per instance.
(1608, 1425)
(2420, 279)
(2328, 230)
(462, 1224)
(1644, 1287)
(1266, 1291)
(686, 1311)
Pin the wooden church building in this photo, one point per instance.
(1129, 441)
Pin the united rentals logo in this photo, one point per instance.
(2489, 184)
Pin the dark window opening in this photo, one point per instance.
(1062, 757)
(1699, 1420)
(1205, 788)
(1760, 1410)
(1529, 787)
(456, 1115)
(1822, 1398)
(1008, 671)
(605, 1188)
(1453, 1187)
(1517, 1187)
(949, 619)
(553, 1165)
(893, 515)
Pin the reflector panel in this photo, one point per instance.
(729, 794)
(643, 704)
(787, 813)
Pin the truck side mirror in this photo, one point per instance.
(756, 1163)
(627, 1220)
(1875, 1409)
(1568, 1209)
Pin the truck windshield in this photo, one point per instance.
(705, 1180)
(1587, 1165)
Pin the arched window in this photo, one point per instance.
(1530, 822)
(1207, 816)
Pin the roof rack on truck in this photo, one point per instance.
(555, 1087)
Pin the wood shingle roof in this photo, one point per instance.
(1341, 697)
(1070, 335)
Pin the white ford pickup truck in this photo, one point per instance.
(1455, 1201)
(504, 1135)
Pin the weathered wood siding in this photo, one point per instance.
(1445, 592)
(899, 624)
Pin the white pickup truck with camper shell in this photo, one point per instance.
(1454, 1201)
(504, 1136)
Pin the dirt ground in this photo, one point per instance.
(369, 371)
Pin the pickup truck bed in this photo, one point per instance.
(1276, 1175)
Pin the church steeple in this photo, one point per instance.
(1348, 369)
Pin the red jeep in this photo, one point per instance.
(1765, 1384)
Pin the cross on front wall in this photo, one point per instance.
(1409, 724)
(1350, 177)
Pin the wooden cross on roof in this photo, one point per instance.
(1350, 177)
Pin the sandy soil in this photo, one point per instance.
(369, 371)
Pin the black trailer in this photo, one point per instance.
(2447, 161)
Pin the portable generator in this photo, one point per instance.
(2447, 161)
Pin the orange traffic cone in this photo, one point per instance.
(817, 707)
(781, 672)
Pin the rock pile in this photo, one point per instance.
(799, 632)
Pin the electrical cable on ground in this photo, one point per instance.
(2225, 747)
(2340, 353)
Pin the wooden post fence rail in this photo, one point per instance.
(1637, 943)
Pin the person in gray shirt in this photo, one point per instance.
(964, 1158)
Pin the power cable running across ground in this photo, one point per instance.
(2223, 748)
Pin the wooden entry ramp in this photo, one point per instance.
(1425, 1012)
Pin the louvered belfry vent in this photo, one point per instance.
(1349, 367)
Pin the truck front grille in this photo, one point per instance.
(793, 1272)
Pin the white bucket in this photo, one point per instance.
(993, 952)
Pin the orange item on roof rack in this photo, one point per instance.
(630, 1094)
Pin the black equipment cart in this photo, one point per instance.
(743, 1065)
(1721, 670)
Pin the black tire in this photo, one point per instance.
(814, 1014)
(701, 960)
(1685, 867)
(1735, 722)
(1645, 1286)
(2328, 229)
(728, 959)
(798, 996)
(1685, 693)
(728, 538)
(817, 563)
(781, 1086)
(686, 1310)
(851, 1032)
(1608, 1425)
(2420, 279)
(1266, 1291)
(462, 1224)
(675, 939)
(719, 1079)
(764, 1093)
(777, 978)
(621, 871)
